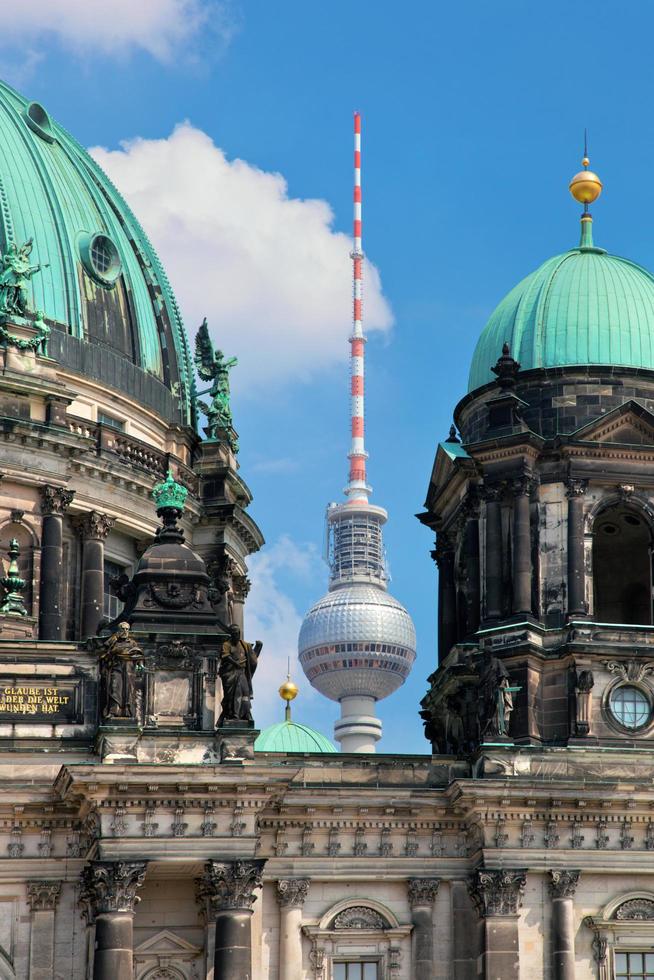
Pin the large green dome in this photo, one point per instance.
(580, 308)
(102, 288)
(288, 736)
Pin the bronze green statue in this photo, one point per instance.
(238, 662)
(212, 365)
(15, 275)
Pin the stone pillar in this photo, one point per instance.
(54, 503)
(576, 579)
(465, 933)
(93, 529)
(291, 895)
(563, 885)
(109, 897)
(473, 573)
(498, 897)
(443, 555)
(42, 899)
(422, 895)
(493, 574)
(521, 548)
(229, 888)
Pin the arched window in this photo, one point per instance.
(622, 567)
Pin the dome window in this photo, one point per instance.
(100, 258)
(630, 706)
(39, 122)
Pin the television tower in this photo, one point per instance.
(357, 644)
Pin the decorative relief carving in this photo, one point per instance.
(333, 843)
(411, 845)
(111, 886)
(501, 836)
(422, 891)
(94, 525)
(307, 846)
(15, 847)
(149, 826)
(281, 844)
(649, 836)
(45, 844)
(119, 822)
(42, 896)
(436, 847)
(584, 683)
(360, 846)
(626, 837)
(73, 844)
(497, 892)
(602, 840)
(208, 825)
(563, 884)
(527, 835)
(576, 488)
(630, 670)
(635, 908)
(576, 836)
(385, 842)
(232, 884)
(552, 836)
(292, 892)
(359, 917)
(55, 500)
(178, 825)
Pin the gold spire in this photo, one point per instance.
(288, 692)
(585, 186)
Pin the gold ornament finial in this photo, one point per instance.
(585, 186)
(288, 692)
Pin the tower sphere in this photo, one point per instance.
(585, 186)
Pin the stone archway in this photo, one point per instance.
(622, 566)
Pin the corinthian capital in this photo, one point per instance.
(230, 884)
(563, 884)
(497, 892)
(111, 886)
(576, 488)
(422, 891)
(55, 500)
(292, 892)
(42, 895)
(94, 525)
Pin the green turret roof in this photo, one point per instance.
(580, 308)
(288, 736)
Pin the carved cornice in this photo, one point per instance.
(497, 892)
(230, 884)
(292, 892)
(94, 525)
(111, 886)
(422, 891)
(55, 500)
(563, 884)
(42, 896)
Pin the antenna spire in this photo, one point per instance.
(357, 487)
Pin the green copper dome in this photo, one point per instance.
(288, 736)
(580, 308)
(101, 287)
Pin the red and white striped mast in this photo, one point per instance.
(357, 487)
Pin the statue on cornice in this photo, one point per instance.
(495, 704)
(121, 666)
(212, 365)
(15, 274)
(238, 662)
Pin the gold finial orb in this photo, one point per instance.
(288, 691)
(585, 162)
(585, 186)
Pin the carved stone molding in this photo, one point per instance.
(111, 886)
(55, 500)
(94, 525)
(231, 884)
(422, 891)
(497, 892)
(630, 670)
(563, 884)
(636, 909)
(359, 917)
(292, 892)
(42, 896)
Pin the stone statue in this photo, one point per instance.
(495, 698)
(121, 664)
(213, 366)
(15, 274)
(238, 662)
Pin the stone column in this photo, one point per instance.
(443, 555)
(563, 885)
(229, 889)
(465, 933)
(576, 579)
(521, 548)
(498, 897)
(472, 572)
(493, 574)
(109, 896)
(42, 899)
(93, 529)
(291, 895)
(54, 503)
(422, 895)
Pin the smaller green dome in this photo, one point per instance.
(288, 736)
(584, 307)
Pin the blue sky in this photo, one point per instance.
(473, 119)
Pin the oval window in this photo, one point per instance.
(100, 258)
(630, 706)
(38, 121)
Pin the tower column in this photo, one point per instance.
(422, 895)
(109, 896)
(521, 547)
(498, 897)
(42, 899)
(444, 558)
(229, 889)
(93, 529)
(54, 503)
(563, 885)
(576, 578)
(358, 730)
(473, 571)
(493, 574)
(291, 895)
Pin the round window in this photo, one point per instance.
(100, 257)
(38, 121)
(630, 706)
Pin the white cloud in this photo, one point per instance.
(268, 270)
(270, 615)
(115, 27)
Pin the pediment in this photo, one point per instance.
(166, 943)
(629, 425)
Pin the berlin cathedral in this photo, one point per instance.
(148, 830)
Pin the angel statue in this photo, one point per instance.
(215, 367)
(15, 274)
